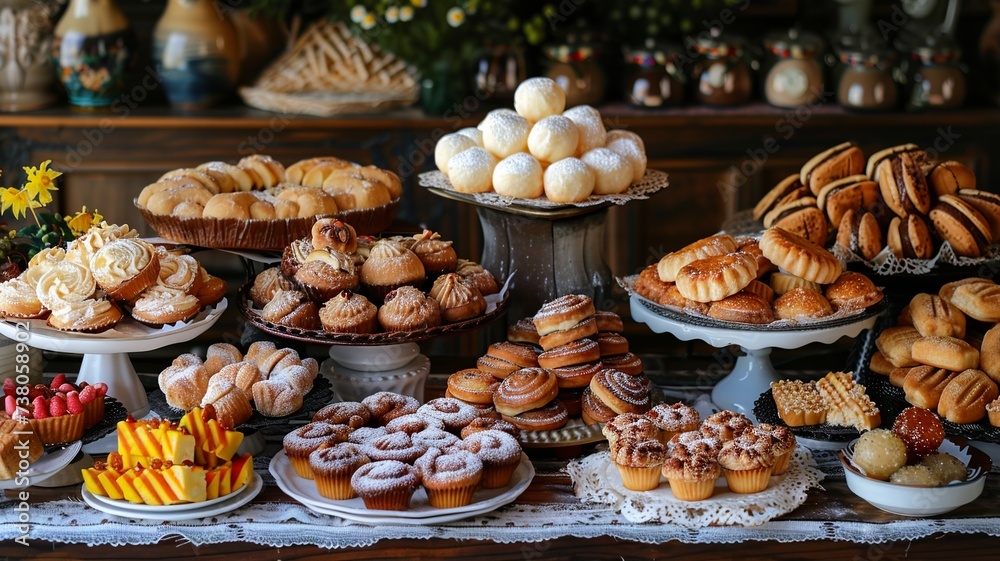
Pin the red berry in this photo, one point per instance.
(66, 388)
(73, 403)
(88, 394)
(921, 430)
(10, 405)
(102, 389)
(9, 387)
(40, 409)
(59, 380)
(57, 406)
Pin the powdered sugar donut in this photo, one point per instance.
(475, 134)
(518, 175)
(471, 171)
(553, 138)
(615, 134)
(612, 173)
(448, 146)
(632, 151)
(591, 127)
(493, 115)
(569, 181)
(506, 134)
(538, 98)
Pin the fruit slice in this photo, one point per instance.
(155, 440)
(211, 437)
(242, 469)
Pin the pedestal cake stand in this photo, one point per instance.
(753, 373)
(105, 355)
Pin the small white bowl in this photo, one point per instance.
(374, 358)
(907, 500)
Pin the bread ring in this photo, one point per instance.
(714, 278)
(167, 201)
(386, 178)
(671, 263)
(524, 390)
(153, 188)
(266, 171)
(230, 205)
(353, 192)
(799, 256)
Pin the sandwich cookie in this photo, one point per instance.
(960, 224)
(947, 178)
(902, 184)
(876, 159)
(910, 238)
(858, 231)
(850, 193)
(988, 204)
(786, 191)
(800, 217)
(841, 161)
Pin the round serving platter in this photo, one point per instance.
(53, 460)
(200, 510)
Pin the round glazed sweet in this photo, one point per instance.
(448, 146)
(591, 127)
(632, 151)
(554, 138)
(538, 98)
(569, 181)
(518, 175)
(506, 134)
(612, 172)
(471, 171)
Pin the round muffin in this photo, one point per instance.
(385, 485)
(747, 462)
(326, 273)
(333, 468)
(409, 309)
(303, 441)
(500, 454)
(386, 406)
(393, 446)
(349, 312)
(725, 425)
(450, 477)
(437, 255)
(630, 426)
(452, 412)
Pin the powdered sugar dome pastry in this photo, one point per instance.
(519, 175)
(493, 115)
(632, 151)
(474, 133)
(471, 171)
(538, 98)
(553, 138)
(591, 127)
(616, 134)
(506, 134)
(448, 146)
(569, 181)
(613, 173)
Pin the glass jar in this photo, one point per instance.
(935, 78)
(653, 76)
(721, 74)
(793, 72)
(576, 68)
(865, 80)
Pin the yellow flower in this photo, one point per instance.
(16, 199)
(81, 222)
(40, 182)
(456, 17)
(419, 3)
(368, 21)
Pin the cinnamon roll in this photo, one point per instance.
(350, 413)
(576, 376)
(622, 392)
(524, 390)
(522, 356)
(326, 273)
(386, 406)
(458, 302)
(454, 413)
(413, 423)
(408, 309)
(496, 367)
(563, 313)
(570, 354)
(393, 446)
(349, 312)
(472, 385)
(385, 485)
(595, 411)
(489, 423)
(552, 416)
(124, 268)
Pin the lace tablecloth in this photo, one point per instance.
(283, 524)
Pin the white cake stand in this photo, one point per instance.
(105, 355)
(753, 373)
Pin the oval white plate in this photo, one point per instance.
(45, 467)
(484, 500)
(232, 502)
(123, 504)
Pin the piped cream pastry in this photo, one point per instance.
(162, 306)
(18, 299)
(82, 249)
(326, 273)
(65, 283)
(179, 272)
(88, 316)
(473, 274)
(388, 267)
(437, 255)
(458, 301)
(124, 268)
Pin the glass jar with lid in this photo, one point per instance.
(575, 66)
(935, 77)
(793, 71)
(653, 76)
(721, 73)
(865, 77)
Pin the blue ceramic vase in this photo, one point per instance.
(93, 49)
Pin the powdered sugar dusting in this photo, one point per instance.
(492, 446)
(432, 437)
(442, 468)
(413, 423)
(383, 476)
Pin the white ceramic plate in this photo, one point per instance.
(232, 502)
(373, 520)
(143, 508)
(484, 500)
(907, 500)
(48, 465)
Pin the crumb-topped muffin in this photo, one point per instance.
(747, 462)
(692, 477)
(639, 462)
(630, 426)
(499, 452)
(333, 468)
(673, 419)
(726, 425)
(694, 442)
(783, 442)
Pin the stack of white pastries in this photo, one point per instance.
(542, 148)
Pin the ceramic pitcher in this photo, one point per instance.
(93, 49)
(26, 76)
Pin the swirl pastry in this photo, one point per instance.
(291, 308)
(385, 485)
(714, 278)
(349, 312)
(434, 438)
(333, 467)
(496, 367)
(523, 332)
(243, 374)
(393, 446)
(124, 268)
(799, 257)
(350, 413)
(19, 300)
(622, 392)
(437, 255)
(576, 376)
(159, 306)
(413, 423)
(386, 406)
(408, 309)
(65, 283)
(472, 385)
(326, 273)
(473, 274)
(294, 255)
(179, 272)
(184, 385)
(451, 477)
(585, 328)
(524, 390)
(627, 363)
(481, 424)
(88, 316)
(458, 301)
(563, 313)
(593, 410)
(267, 284)
(452, 412)
(212, 291)
(521, 355)
(390, 266)
(361, 435)
(500, 454)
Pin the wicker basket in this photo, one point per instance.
(328, 71)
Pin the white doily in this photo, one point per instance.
(652, 182)
(886, 262)
(596, 479)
